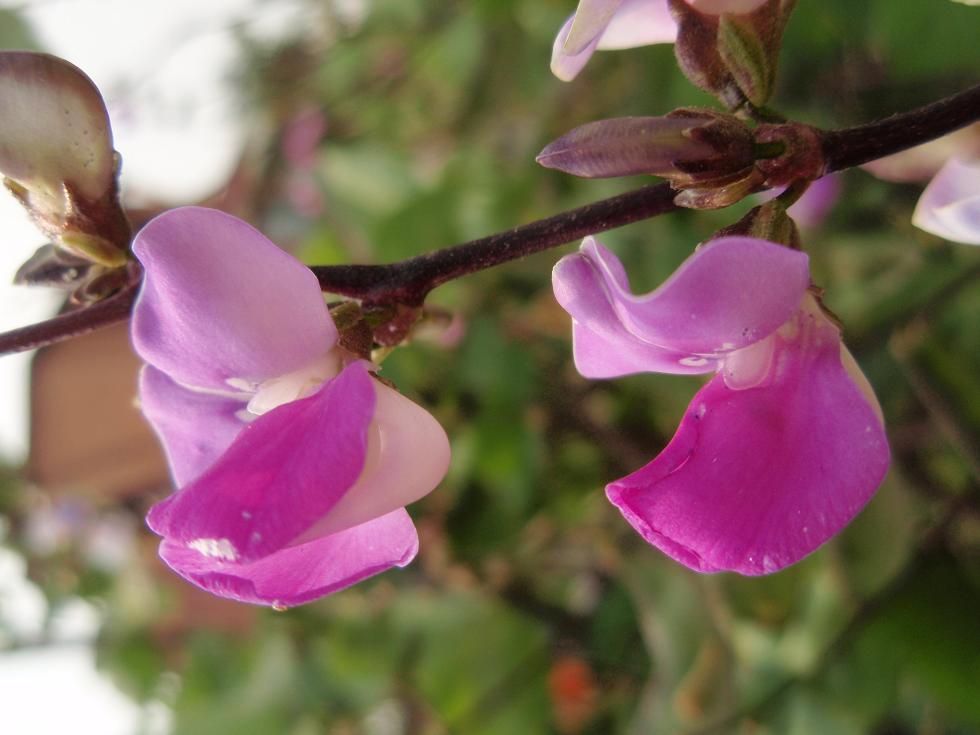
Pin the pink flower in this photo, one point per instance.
(293, 464)
(609, 24)
(619, 24)
(950, 205)
(780, 450)
(811, 209)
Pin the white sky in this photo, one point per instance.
(163, 69)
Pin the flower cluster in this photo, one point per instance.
(294, 464)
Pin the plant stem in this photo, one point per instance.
(114, 309)
(854, 146)
(409, 281)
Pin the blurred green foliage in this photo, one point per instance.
(533, 608)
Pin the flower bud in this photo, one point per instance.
(730, 47)
(56, 155)
(686, 146)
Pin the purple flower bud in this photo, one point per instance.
(624, 146)
(687, 146)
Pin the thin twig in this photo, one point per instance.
(114, 309)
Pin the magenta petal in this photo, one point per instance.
(283, 472)
(299, 574)
(195, 428)
(730, 293)
(220, 301)
(756, 479)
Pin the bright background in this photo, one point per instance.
(371, 131)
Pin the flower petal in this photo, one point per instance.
(283, 472)
(756, 479)
(408, 455)
(589, 21)
(299, 574)
(609, 24)
(639, 23)
(566, 64)
(220, 301)
(950, 205)
(730, 293)
(194, 428)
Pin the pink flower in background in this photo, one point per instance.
(300, 144)
(302, 135)
(620, 24)
(811, 209)
(950, 205)
(923, 162)
(780, 450)
(293, 464)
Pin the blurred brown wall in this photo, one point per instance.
(87, 435)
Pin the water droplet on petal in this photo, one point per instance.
(217, 548)
(693, 361)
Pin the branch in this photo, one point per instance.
(409, 281)
(114, 309)
(854, 146)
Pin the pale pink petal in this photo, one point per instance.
(639, 23)
(950, 205)
(194, 428)
(284, 471)
(756, 479)
(730, 293)
(408, 455)
(588, 22)
(565, 64)
(221, 302)
(609, 24)
(299, 574)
